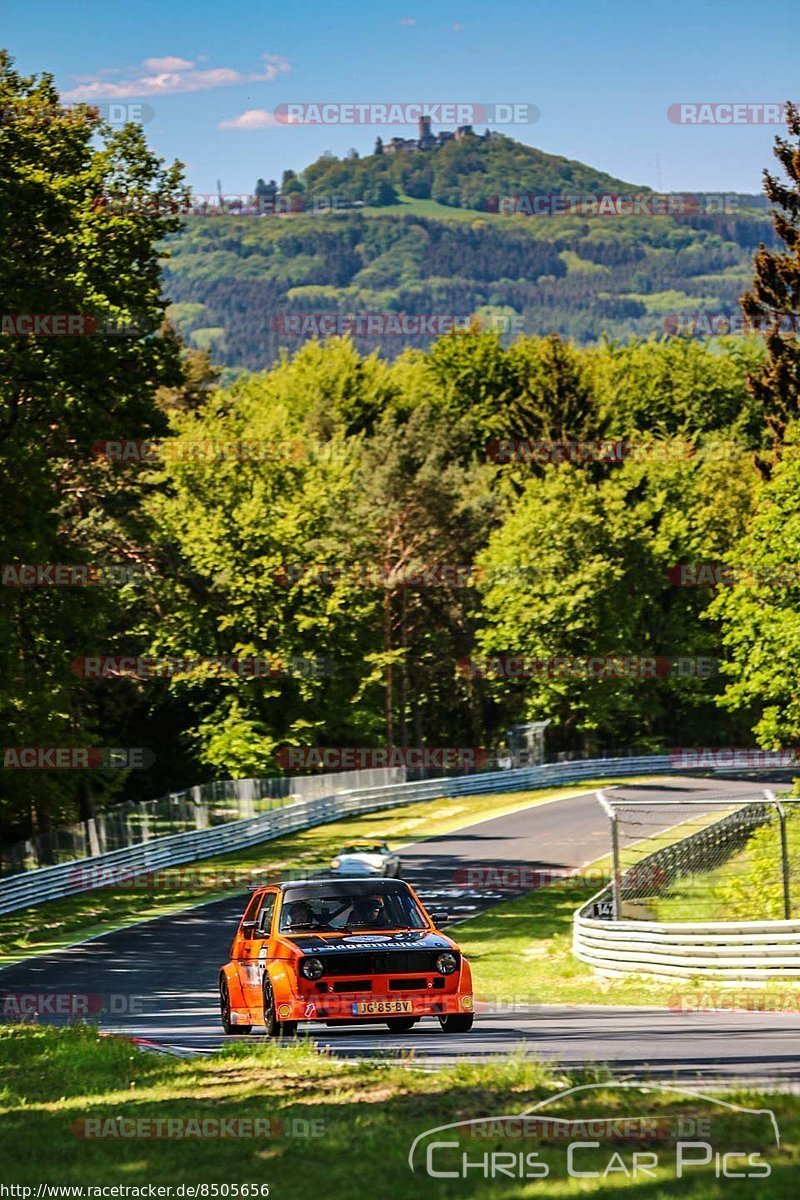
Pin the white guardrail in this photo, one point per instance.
(745, 950)
(80, 875)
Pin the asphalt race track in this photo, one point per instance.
(157, 979)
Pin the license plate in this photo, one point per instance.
(379, 1008)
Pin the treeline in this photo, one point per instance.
(232, 279)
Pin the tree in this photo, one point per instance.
(773, 302)
(579, 570)
(85, 211)
(291, 183)
(759, 612)
(379, 145)
(423, 502)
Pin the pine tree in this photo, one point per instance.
(773, 302)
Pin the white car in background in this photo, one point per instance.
(365, 859)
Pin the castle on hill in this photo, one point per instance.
(427, 140)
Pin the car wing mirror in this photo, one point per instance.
(251, 929)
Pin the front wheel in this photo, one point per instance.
(225, 1012)
(457, 1023)
(275, 1028)
(401, 1024)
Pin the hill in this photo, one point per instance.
(246, 286)
(461, 174)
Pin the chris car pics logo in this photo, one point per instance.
(687, 1135)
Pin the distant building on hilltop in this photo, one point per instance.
(426, 139)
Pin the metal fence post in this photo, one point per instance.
(615, 873)
(787, 903)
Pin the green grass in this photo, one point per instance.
(41, 928)
(365, 1116)
(521, 953)
(748, 887)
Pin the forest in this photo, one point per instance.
(329, 549)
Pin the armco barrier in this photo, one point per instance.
(66, 879)
(746, 950)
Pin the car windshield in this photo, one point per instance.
(344, 912)
(364, 848)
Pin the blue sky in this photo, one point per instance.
(602, 75)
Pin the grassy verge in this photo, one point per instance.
(364, 1117)
(748, 887)
(61, 923)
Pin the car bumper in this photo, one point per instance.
(354, 871)
(383, 1007)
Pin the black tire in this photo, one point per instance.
(225, 1012)
(274, 1027)
(457, 1023)
(401, 1024)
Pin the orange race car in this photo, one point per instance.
(343, 952)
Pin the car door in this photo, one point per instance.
(256, 930)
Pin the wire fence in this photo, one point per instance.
(197, 808)
(713, 859)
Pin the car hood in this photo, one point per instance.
(315, 943)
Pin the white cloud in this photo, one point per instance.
(169, 63)
(408, 20)
(254, 118)
(168, 75)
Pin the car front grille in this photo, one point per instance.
(389, 962)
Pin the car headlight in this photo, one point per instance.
(311, 968)
(337, 862)
(446, 964)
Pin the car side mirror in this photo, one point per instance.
(439, 918)
(251, 929)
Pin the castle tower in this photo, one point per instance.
(424, 126)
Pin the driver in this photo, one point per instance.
(299, 913)
(369, 911)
